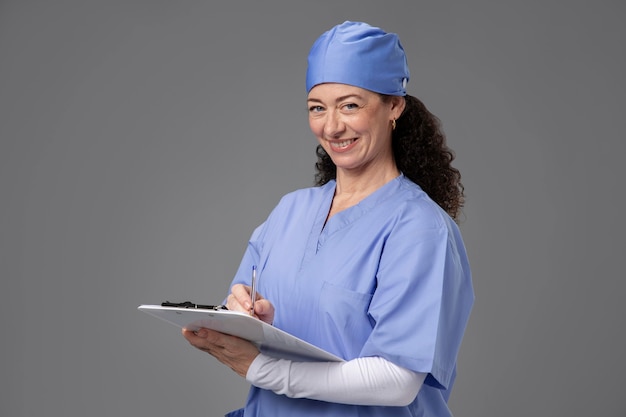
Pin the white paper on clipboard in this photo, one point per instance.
(270, 340)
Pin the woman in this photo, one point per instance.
(369, 264)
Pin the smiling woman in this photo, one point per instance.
(420, 153)
(367, 265)
(354, 126)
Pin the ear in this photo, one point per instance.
(398, 103)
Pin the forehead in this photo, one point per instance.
(337, 91)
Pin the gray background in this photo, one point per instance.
(142, 141)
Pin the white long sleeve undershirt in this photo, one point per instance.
(361, 381)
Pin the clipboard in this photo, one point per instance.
(269, 339)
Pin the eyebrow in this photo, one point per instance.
(342, 98)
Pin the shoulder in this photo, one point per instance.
(418, 217)
(416, 208)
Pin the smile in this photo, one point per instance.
(342, 144)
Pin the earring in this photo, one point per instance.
(393, 124)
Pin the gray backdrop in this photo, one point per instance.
(142, 141)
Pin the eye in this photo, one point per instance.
(315, 109)
(350, 106)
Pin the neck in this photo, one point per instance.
(351, 188)
(363, 183)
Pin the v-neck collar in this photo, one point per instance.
(323, 229)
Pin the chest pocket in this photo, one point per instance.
(344, 319)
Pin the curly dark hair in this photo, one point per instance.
(420, 151)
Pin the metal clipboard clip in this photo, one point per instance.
(189, 304)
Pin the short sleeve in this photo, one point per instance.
(423, 297)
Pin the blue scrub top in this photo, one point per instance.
(387, 277)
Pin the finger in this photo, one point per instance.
(222, 346)
(232, 351)
(264, 310)
(205, 339)
(233, 304)
(241, 297)
(190, 335)
(262, 307)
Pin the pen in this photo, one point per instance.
(253, 289)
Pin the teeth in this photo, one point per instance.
(343, 143)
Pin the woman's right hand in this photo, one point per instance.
(239, 300)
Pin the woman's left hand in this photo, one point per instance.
(232, 351)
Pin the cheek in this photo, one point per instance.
(317, 127)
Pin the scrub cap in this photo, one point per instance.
(361, 55)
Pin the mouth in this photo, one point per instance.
(342, 144)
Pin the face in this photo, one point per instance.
(353, 125)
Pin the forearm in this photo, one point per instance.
(361, 381)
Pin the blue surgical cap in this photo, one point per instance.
(361, 55)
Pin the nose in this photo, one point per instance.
(333, 125)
